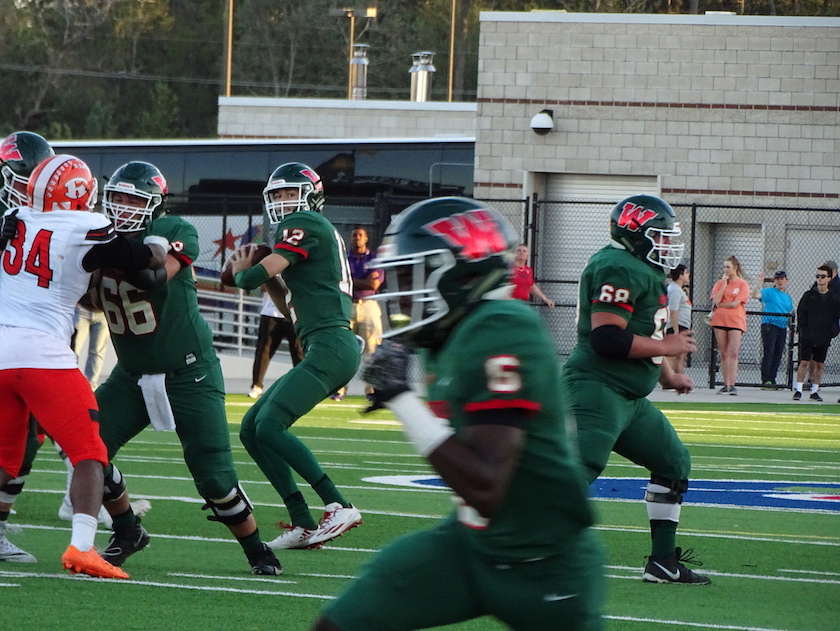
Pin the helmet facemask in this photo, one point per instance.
(666, 247)
(130, 217)
(277, 209)
(13, 193)
(415, 300)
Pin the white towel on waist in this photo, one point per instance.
(157, 403)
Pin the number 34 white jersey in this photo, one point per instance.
(41, 280)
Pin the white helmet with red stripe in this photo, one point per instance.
(61, 182)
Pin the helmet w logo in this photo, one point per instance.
(634, 217)
(9, 149)
(475, 232)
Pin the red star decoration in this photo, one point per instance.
(227, 242)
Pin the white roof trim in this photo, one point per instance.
(643, 18)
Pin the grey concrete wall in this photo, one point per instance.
(252, 117)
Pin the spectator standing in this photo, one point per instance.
(729, 320)
(365, 313)
(817, 318)
(773, 327)
(91, 326)
(679, 310)
(834, 281)
(523, 278)
(273, 329)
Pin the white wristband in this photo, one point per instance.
(154, 239)
(425, 430)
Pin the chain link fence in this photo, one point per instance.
(564, 234)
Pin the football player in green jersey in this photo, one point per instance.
(167, 371)
(519, 546)
(316, 290)
(622, 312)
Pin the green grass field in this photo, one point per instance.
(772, 569)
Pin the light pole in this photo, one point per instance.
(229, 48)
(451, 51)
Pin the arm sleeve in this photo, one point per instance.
(122, 253)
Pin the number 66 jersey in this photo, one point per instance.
(160, 330)
(41, 280)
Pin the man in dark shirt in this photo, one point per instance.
(817, 316)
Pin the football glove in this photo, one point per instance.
(387, 372)
(8, 228)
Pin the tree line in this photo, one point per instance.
(155, 68)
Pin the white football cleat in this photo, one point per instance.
(337, 520)
(65, 512)
(10, 552)
(255, 392)
(295, 538)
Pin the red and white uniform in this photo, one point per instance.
(41, 280)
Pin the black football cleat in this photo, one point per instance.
(125, 543)
(265, 563)
(670, 569)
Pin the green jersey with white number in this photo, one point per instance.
(161, 330)
(500, 358)
(615, 281)
(318, 277)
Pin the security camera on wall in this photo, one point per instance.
(543, 122)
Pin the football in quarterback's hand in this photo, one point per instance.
(255, 254)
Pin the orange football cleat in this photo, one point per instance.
(89, 563)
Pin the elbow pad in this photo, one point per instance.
(147, 279)
(611, 341)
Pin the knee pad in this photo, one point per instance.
(9, 492)
(231, 510)
(665, 491)
(114, 484)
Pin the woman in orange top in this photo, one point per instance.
(729, 320)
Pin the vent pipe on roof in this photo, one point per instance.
(421, 73)
(358, 73)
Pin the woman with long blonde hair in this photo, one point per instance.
(729, 320)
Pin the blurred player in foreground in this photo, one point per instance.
(519, 546)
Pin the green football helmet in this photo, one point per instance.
(646, 226)
(20, 153)
(145, 185)
(441, 257)
(293, 175)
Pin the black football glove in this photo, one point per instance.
(8, 228)
(387, 372)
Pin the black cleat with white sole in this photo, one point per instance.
(125, 543)
(670, 569)
(265, 563)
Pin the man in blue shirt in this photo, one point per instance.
(773, 327)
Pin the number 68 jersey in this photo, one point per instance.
(42, 279)
(615, 281)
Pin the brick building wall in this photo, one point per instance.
(717, 107)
